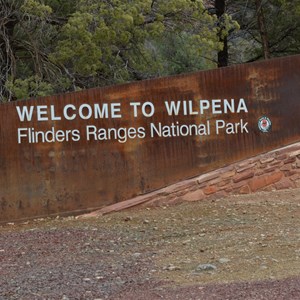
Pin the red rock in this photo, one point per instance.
(216, 181)
(229, 189)
(291, 173)
(243, 164)
(275, 163)
(295, 153)
(247, 167)
(269, 188)
(228, 174)
(289, 160)
(286, 168)
(274, 177)
(289, 149)
(243, 176)
(266, 160)
(218, 195)
(281, 157)
(264, 180)
(295, 177)
(262, 166)
(174, 188)
(175, 201)
(120, 206)
(259, 172)
(285, 183)
(207, 177)
(194, 196)
(210, 190)
(238, 185)
(270, 169)
(245, 190)
(223, 183)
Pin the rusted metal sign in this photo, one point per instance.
(96, 147)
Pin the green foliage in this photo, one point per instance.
(77, 46)
(282, 20)
(183, 53)
(119, 41)
(62, 8)
(30, 87)
(35, 8)
(54, 46)
(58, 46)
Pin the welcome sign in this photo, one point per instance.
(92, 148)
(43, 113)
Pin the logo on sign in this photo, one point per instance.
(264, 124)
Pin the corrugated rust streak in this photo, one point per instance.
(52, 178)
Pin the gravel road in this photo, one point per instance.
(240, 247)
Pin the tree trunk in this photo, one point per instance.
(262, 29)
(223, 54)
(7, 63)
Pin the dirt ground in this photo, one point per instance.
(240, 247)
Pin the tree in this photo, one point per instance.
(28, 29)
(262, 29)
(7, 61)
(268, 28)
(54, 46)
(120, 41)
(223, 53)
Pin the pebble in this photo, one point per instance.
(171, 267)
(224, 260)
(137, 254)
(186, 242)
(205, 267)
